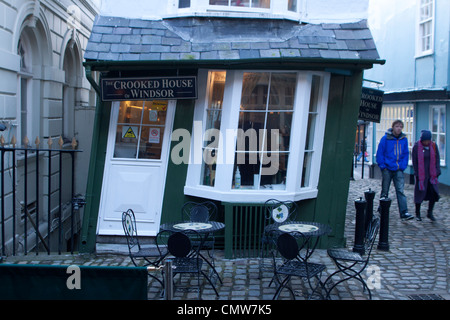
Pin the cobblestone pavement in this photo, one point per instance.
(417, 262)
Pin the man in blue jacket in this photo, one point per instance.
(392, 158)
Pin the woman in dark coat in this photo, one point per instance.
(426, 163)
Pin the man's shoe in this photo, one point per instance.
(406, 216)
(418, 217)
(430, 216)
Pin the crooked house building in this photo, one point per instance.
(236, 102)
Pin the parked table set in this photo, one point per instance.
(296, 242)
(202, 230)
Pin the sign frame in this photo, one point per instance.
(149, 88)
(371, 105)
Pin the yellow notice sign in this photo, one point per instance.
(129, 132)
(160, 105)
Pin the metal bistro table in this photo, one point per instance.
(301, 229)
(308, 228)
(203, 228)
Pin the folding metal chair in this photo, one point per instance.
(276, 212)
(137, 254)
(186, 256)
(296, 248)
(351, 264)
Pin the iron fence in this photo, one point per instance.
(39, 224)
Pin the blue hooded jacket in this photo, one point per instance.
(393, 152)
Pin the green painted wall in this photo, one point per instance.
(176, 174)
(334, 181)
(95, 177)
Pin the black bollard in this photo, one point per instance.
(383, 241)
(369, 195)
(360, 206)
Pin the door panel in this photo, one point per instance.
(136, 164)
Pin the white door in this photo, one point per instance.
(136, 165)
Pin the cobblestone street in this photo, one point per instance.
(416, 266)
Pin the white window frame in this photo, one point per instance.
(278, 9)
(420, 51)
(392, 112)
(222, 189)
(439, 107)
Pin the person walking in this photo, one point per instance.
(427, 169)
(392, 158)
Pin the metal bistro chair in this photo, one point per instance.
(150, 256)
(186, 258)
(296, 248)
(351, 264)
(276, 212)
(202, 212)
(199, 211)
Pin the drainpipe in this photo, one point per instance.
(89, 223)
(91, 79)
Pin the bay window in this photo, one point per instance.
(261, 135)
(286, 9)
(242, 3)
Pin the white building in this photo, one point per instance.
(43, 94)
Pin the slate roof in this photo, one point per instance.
(122, 39)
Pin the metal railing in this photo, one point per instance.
(244, 226)
(18, 226)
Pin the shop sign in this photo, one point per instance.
(371, 104)
(161, 88)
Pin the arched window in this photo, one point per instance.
(69, 94)
(24, 50)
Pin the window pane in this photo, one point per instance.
(249, 170)
(435, 120)
(306, 169)
(292, 5)
(441, 146)
(240, 3)
(274, 169)
(261, 4)
(310, 132)
(128, 129)
(312, 115)
(23, 107)
(213, 118)
(438, 128)
(280, 122)
(426, 10)
(282, 88)
(150, 144)
(254, 91)
(212, 126)
(155, 112)
(315, 86)
(219, 2)
(184, 4)
(130, 112)
(126, 141)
